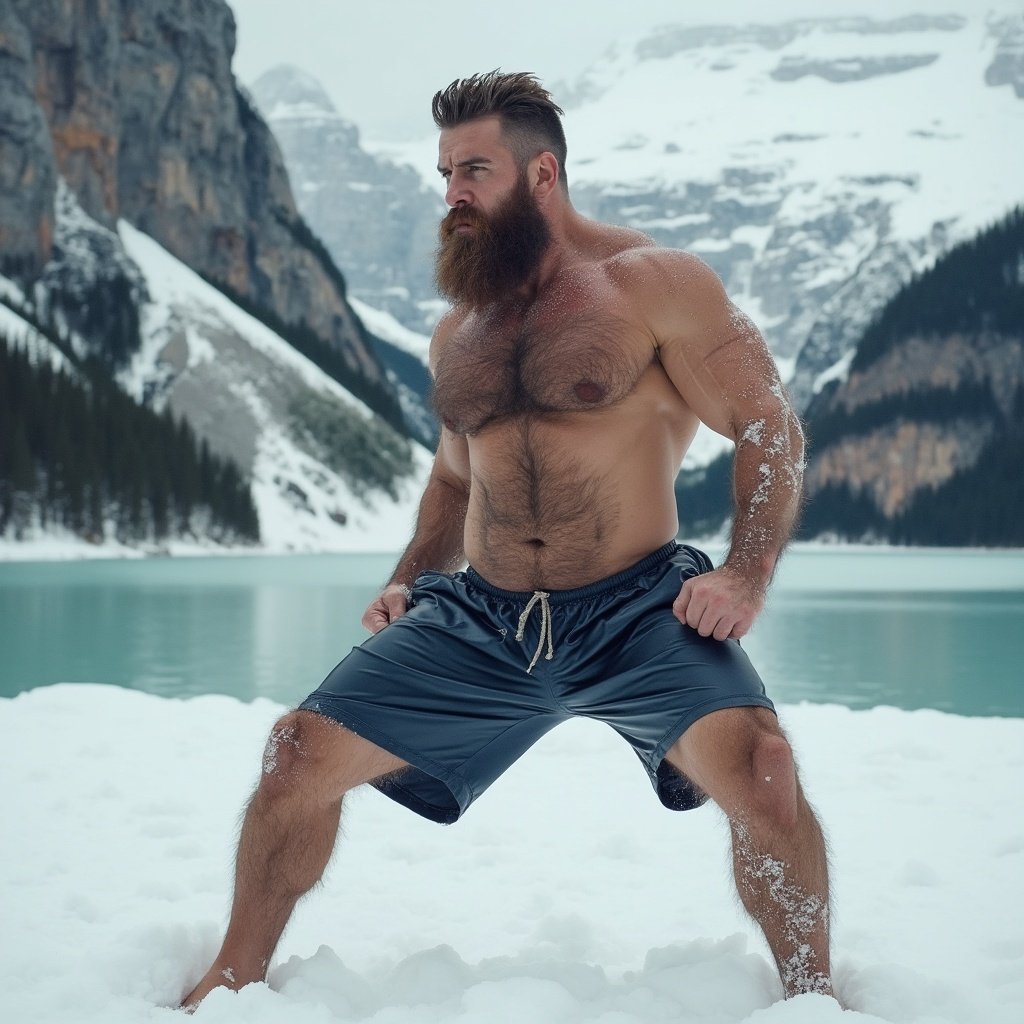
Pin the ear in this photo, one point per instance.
(545, 174)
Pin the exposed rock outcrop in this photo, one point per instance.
(27, 173)
(147, 124)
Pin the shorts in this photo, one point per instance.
(447, 689)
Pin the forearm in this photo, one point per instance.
(437, 542)
(767, 484)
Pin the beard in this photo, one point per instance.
(497, 256)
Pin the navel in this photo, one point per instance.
(588, 391)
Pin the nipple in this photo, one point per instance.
(450, 424)
(587, 391)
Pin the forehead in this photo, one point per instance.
(481, 137)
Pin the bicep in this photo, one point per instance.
(717, 359)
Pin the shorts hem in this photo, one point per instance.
(331, 707)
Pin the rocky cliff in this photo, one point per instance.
(146, 123)
(149, 233)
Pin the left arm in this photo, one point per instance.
(721, 366)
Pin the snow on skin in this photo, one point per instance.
(567, 893)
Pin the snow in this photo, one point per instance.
(331, 516)
(39, 348)
(838, 371)
(385, 326)
(172, 284)
(567, 894)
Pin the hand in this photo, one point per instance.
(391, 604)
(722, 604)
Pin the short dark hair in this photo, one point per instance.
(530, 119)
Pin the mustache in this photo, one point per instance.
(459, 216)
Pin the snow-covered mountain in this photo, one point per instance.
(148, 232)
(815, 164)
(240, 386)
(377, 218)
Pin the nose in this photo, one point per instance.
(457, 194)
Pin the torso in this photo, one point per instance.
(574, 432)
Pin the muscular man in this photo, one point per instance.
(570, 377)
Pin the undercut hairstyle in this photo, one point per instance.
(530, 120)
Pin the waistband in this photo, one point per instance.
(595, 589)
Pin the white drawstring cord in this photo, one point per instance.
(545, 626)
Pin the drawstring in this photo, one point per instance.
(545, 626)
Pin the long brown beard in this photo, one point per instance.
(497, 256)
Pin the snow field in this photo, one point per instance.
(566, 894)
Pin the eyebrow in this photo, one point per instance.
(465, 163)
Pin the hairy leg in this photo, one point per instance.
(287, 837)
(741, 759)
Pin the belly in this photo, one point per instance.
(563, 501)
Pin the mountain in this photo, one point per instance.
(148, 228)
(377, 218)
(815, 164)
(923, 441)
(919, 437)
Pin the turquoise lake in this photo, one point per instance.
(854, 626)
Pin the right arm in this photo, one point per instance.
(437, 541)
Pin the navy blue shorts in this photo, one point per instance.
(448, 687)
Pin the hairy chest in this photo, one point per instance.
(538, 362)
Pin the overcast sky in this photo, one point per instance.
(382, 60)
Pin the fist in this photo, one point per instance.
(722, 604)
(392, 604)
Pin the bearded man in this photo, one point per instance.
(570, 376)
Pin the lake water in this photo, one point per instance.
(856, 626)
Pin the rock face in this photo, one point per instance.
(894, 461)
(1007, 67)
(147, 124)
(376, 217)
(932, 407)
(27, 170)
(133, 173)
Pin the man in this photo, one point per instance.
(570, 376)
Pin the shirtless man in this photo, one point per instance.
(570, 377)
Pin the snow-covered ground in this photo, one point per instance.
(566, 895)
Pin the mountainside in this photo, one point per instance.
(148, 228)
(923, 442)
(920, 439)
(146, 124)
(377, 218)
(814, 164)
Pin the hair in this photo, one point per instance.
(530, 120)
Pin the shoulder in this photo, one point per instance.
(443, 331)
(654, 268)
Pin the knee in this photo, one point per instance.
(289, 755)
(772, 788)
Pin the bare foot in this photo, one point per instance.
(216, 977)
